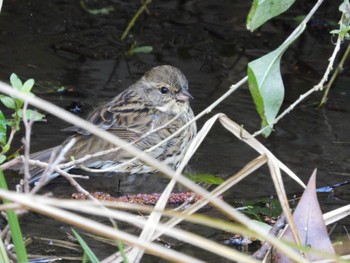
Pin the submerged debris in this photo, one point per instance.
(238, 240)
(146, 199)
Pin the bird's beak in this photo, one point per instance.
(184, 95)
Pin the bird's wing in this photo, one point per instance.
(128, 123)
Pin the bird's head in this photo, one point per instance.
(167, 89)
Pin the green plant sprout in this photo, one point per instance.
(134, 18)
(344, 23)
(101, 11)
(17, 106)
(139, 49)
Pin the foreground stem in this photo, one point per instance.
(14, 226)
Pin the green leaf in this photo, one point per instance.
(266, 87)
(263, 10)
(260, 208)
(32, 114)
(205, 178)
(3, 128)
(15, 81)
(140, 49)
(3, 250)
(61, 89)
(2, 159)
(8, 102)
(28, 85)
(6, 148)
(101, 11)
(13, 222)
(335, 31)
(87, 250)
(266, 84)
(344, 8)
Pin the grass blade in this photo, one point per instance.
(87, 250)
(3, 253)
(16, 233)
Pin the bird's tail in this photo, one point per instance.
(35, 171)
(43, 156)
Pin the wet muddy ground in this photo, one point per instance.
(59, 43)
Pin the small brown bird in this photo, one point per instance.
(161, 96)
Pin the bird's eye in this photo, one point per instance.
(164, 90)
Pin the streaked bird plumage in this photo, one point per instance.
(161, 95)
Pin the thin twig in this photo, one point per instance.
(337, 71)
(53, 165)
(317, 87)
(28, 131)
(329, 68)
(135, 17)
(10, 164)
(266, 246)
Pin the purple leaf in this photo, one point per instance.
(310, 224)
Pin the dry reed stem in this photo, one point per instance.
(219, 204)
(35, 204)
(84, 206)
(87, 208)
(90, 207)
(255, 164)
(135, 254)
(273, 164)
(249, 139)
(148, 232)
(336, 214)
(282, 196)
(238, 132)
(90, 225)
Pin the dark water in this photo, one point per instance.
(59, 44)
